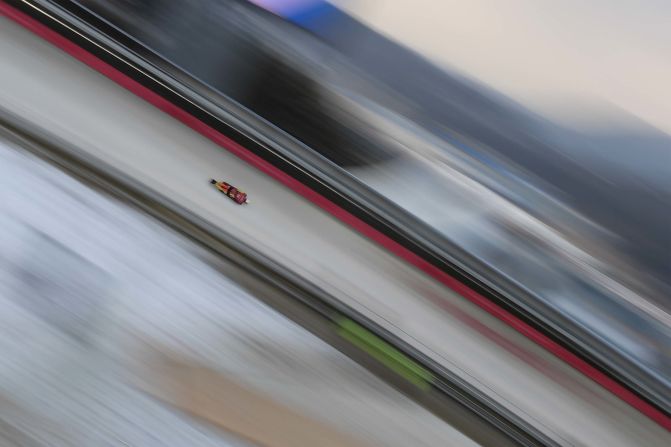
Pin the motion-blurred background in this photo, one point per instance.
(493, 191)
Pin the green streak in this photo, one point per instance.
(385, 353)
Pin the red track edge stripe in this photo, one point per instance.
(194, 123)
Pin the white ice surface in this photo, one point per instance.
(83, 279)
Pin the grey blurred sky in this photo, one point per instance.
(554, 56)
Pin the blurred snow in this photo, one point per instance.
(84, 281)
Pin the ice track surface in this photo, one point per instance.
(85, 281)
(46, 86)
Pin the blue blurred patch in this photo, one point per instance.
(316, 17)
